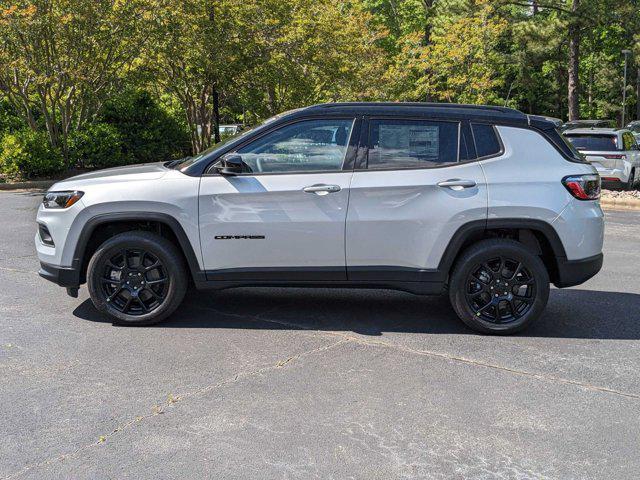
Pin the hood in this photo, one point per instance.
(145, 171)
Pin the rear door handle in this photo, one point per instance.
(457, 184)
(321, 189)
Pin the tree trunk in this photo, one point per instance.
(216, 114)
(574, 60)
(638, 94)
(535, 7)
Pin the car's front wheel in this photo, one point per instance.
(498, 286)
(137, 278)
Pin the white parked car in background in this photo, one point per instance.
(614, 153)
(635, 129)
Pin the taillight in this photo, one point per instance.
(583, 187)
(615, 157)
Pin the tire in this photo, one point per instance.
(631, 181)
(147, 288)
(486, 268)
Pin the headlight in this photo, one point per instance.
(61, 199)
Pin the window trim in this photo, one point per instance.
(366, 145)
(475, 146)
(347, 162)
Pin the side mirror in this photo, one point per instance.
(230, 164)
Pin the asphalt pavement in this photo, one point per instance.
(327, 384)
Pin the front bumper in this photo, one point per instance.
(64, 276)
(575, 272)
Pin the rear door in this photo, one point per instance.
(413, 187)
(285, 218)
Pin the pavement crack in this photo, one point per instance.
(445, 356)
(171, 400)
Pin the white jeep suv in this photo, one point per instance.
(485, 202)
(613, 151)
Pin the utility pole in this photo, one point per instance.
(624, 88)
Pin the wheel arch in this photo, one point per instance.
(100, 227)
(538, 236)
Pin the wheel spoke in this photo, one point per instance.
(157, 281)
(521, 298)
(144, 307)
(516, 272)
(155, 265)
(154, 294)
(114, 294)
(127, 305)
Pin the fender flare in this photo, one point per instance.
(479, 226)
(175, 226)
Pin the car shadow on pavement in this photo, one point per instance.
(570, 313)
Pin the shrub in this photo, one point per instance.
(149, 132)
(9, 119)
(97, 145)
(26, 154)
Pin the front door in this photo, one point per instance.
(414, 188)
(285, 218)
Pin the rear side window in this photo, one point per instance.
(593, 142)
(412, 143)
(486, 140)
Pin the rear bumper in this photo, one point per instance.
(65, 277)
(575, 272)
(613, 176)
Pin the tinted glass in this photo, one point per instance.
(593, 142)
(486, 140)
(412, 143)
(628, 140)
(310, 145)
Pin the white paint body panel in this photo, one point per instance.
(301, 229)
(140, 188)
(526, 182)
(401, 218)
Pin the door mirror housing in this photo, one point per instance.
(230, 164)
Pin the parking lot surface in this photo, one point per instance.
(301, 384)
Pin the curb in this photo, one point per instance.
(620, 203)
(39, 184)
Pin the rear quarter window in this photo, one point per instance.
(486, 140)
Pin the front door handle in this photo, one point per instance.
(321, 189)
(457, 184)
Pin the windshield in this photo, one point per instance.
(594, 143)
(191, 160)
(187, 162)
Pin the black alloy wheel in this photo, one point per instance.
(499, 286)
(134, 282)
(500, 290)
(137, 278)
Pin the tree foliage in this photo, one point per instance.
(159, 71)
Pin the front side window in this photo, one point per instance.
(593, 142)
(305, 146)
(412, 144)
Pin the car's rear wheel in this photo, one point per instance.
(498, 286)
(137, 278)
